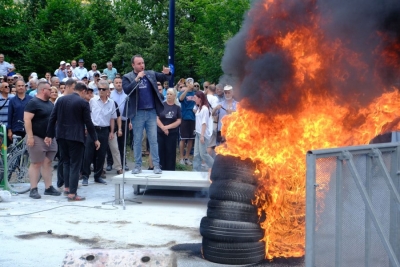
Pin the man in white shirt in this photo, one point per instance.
(93, 71)
(103, 114)
(94, 84)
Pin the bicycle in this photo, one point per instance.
(17, 162)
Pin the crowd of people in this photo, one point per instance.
(84, 117)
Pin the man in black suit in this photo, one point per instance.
(70, 114)
(144, 107)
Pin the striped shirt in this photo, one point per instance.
(4, 103)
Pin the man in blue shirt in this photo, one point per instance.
(144, 107)
(80, 71)
(61, 72)
(16, 111)
(5, 67)
(110, 71)
(187, 127)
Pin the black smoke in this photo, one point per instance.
(367, 30)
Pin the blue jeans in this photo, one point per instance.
(200, 153)
(145, 119)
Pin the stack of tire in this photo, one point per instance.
(231, 231)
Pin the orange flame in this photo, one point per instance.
(278, 141)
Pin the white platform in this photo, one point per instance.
(166, 179)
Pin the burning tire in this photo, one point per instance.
(232, 191)
(230, 231)
(234, 169)
(232, 211)
(233, 253)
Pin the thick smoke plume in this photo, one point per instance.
(357, 44)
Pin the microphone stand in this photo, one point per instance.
(122, 199)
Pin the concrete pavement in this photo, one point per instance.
(161, 230)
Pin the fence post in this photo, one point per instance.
(310, 208)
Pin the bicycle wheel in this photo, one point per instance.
(18, 179)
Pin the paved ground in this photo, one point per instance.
(163, 226)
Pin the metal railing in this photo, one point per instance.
(353, 206)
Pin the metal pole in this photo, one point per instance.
(310, 208)
(339, 213)
(368, 221)
(394, 227)
(171, 44)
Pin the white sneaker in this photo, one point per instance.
(182, 161)
(157, 170)
(137, 169)
(188, 162)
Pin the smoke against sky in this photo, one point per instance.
(285, 50)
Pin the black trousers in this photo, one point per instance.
(96, 156)
(72, 153)
(60, 166)
(167, 150)
(121, 143)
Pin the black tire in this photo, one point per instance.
(234, 169)
(233, 253)
(232, 191)
(232, 211)
(230, 231)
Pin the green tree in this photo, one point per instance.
(12, 30)
(216, 23)
(56, 35)
(41, 33)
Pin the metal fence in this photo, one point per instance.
(353, 206)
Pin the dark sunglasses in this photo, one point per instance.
(103, 89)
(6, 86)
(206, 86)
(196, 86)
(158, 83)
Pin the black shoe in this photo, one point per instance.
(126, 168)
(151, 168)
(109, 167)
(51, 191)
(34, 193)
(85, 181)
(103, 175)
(100, 181)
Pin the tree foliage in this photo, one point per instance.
(41, 33)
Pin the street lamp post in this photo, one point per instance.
(171, 45)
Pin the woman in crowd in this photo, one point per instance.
(201, 140)
(167, 131)
(53, 94)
